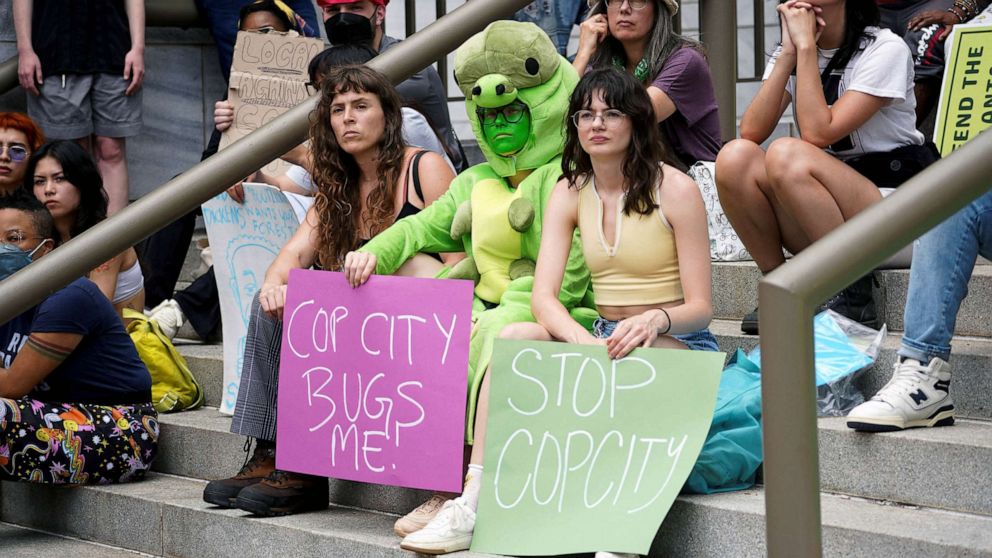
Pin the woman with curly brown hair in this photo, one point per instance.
(366, 178)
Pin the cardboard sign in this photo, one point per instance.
(268, 77)
(584, 453)
(245, 239)
(965, 108)
(372, 381)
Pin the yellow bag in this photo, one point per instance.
(173, 386)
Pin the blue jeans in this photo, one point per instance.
(555, 17)
(943, 260)
(701, 340)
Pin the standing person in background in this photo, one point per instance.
(852, 85)
(364, 21)
(638, 36)
(82, 63)
(19, 138)
(64, 178)
(556, 18)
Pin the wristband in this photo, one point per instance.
(669, 318)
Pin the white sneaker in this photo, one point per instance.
(450, 531)
(604, 554)
(916, 396)
(169, 317)
(420, 516)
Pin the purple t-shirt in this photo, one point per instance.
(694, 128)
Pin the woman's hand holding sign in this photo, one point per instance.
(358, 267)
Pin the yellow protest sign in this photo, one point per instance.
(965, 108)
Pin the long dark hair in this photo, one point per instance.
(80, 170)
(336, 174)
(662, 43)
(641, 170)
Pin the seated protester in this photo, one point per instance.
(165, 251)
(364, 22)
(943, 260)
(199, 302)
(355, 130)
(65, 179)
(852, 84)
(637, 35)
(925, 25)
(69, 375)
(652, 282)
(19, 138)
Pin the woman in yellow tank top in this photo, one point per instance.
(643, 228)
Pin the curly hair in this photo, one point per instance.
(340, 210)
(641, 170)
(80, 170)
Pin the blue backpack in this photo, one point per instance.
(731, 454)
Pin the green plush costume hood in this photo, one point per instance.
(507, 61)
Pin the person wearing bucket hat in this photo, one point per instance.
(363, 21)
(638, 36)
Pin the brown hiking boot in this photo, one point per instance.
(224, 493)
(284, 493)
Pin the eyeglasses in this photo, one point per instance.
(586, 118)
(512, 113)
(16, 237)
(615, 4)
(17, 153)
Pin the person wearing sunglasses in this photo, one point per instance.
(638, 36)
(19, 138)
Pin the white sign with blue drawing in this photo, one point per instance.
(245, 239)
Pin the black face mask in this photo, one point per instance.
(348, 28)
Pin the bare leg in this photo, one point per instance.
(111, 161)
(530, 331)
(817, 190)
(751, 207)
(420, 265)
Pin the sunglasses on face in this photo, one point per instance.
(17, 153)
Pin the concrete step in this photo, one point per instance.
(207, 364)
(173, 521)
(18, 542)
(935, 467)
(165, 516)
(735, 288)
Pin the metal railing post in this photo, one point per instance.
(181, 195)
(787, 297)
(8, 74)
(718, 30)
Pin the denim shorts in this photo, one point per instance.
(701, 340)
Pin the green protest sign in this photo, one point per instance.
(965, 108)
(584, 453)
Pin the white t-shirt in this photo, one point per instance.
(416, 132)
(884, 68)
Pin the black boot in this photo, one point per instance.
(285, 493)
(855, 302)
(224, 493)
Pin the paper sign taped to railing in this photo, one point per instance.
(584, 453)
(268, 77)
(372, 381)
(244, 238)
(965, 107)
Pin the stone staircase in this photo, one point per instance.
(915, 493)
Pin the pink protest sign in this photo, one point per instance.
(372, 381)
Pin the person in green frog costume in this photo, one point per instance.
(516, 88)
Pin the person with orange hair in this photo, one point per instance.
(19, 138)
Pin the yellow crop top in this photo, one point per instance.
(642, 265)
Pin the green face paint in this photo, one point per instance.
(506, 128)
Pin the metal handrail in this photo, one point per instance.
(184, 193)
(787, 298)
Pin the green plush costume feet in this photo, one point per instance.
(515, 80)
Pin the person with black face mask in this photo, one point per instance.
(362, 21)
